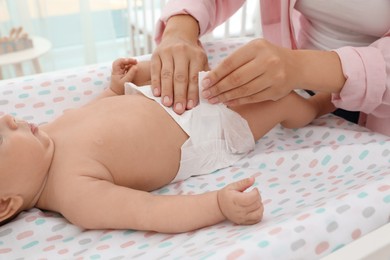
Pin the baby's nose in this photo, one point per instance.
(9, 121)
(5, 118)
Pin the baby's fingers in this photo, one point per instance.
(130, 74)
(127, 61)
(122, 63)
(254, 206)
(241, 185)
(245, 199)
(254, 216)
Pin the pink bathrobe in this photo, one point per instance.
(367, 69)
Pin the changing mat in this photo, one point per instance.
(323, 186)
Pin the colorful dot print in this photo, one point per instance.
(322, 186)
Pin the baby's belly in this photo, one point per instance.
(135, 139)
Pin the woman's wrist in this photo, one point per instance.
(318, 70)
(182, 26)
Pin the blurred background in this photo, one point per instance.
(73, 33)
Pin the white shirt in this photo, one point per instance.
(336, 23)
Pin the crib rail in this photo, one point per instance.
(143, 15)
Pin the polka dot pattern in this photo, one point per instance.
(323, 186)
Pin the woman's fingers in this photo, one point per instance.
(155, 72)
(244, 81)
(174, 74)
(166, 80)
(256, 72)
(193, 88)
(180, 80)
(234, 61)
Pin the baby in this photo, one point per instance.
(96, 164)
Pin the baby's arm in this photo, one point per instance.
(108, 206)
(127, 70)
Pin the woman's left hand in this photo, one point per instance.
(256, 72)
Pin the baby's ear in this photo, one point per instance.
(9, 206)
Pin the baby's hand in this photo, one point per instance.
(238, 206)
(123, 70)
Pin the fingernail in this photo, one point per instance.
(206, 93)
(166, 101)
(178, 107)
(206, 83)
(156, 92)
(190, 104)
(214, 100)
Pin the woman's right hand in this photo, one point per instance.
(176, 62)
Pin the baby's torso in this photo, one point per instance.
(129, 140)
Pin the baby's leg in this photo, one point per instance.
(292, 111)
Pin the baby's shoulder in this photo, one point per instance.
(65, 187)
(78, 173)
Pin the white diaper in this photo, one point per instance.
(218, 136)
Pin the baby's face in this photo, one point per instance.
(25, 154)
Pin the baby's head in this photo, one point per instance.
(25, 158)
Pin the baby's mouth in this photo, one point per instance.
(34, 128)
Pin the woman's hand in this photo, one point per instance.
(256, 72)
(261, 71)
(176, 62)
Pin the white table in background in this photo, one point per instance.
(40, 47)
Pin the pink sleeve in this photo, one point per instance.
(208, 13)
(367, 70)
